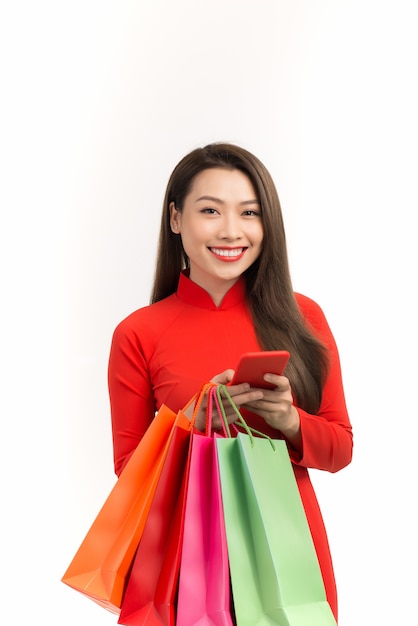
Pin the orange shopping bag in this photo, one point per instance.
(100, 566)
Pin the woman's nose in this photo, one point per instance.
(230, 228)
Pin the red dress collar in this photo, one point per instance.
(193, 294)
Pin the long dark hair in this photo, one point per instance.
(277, 319)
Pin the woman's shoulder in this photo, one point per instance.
(154, 316)
(305, 303)
(311, 311)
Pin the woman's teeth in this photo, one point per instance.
(229, 253)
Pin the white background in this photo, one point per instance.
(99, 100)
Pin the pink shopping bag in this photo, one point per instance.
(204, 581)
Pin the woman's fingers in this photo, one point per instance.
(223, 378)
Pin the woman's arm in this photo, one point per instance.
(322, 441)
(327, 438)
(130, 393)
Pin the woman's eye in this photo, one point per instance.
(252, 212)
(209, 211)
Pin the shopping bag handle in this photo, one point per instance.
(197, 399)
(213, 399)
(241, 421)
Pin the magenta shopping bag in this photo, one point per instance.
(204, 582)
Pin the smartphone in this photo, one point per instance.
(253, 365)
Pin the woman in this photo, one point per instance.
(222, 287)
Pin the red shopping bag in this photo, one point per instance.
(101, 565)
(204, 581)
(150, 593)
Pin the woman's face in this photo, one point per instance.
(220, 227)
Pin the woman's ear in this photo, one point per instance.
(174, 218)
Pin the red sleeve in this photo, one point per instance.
(327, 437)
(130, 391)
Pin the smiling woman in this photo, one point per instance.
(220, 227)
(222, 288)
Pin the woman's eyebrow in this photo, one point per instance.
(214, 199)
(210, 198)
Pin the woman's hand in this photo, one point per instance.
(275, 406)
(277, 409)
(241, 394)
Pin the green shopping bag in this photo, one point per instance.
(275, 574)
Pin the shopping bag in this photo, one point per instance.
(152, 584)
(204, 581)
(275, 574)
(100, 566)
